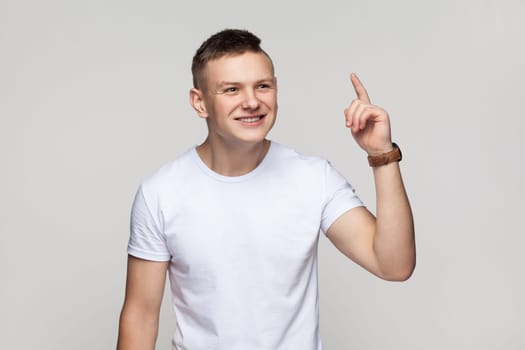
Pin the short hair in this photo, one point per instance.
(224, 43)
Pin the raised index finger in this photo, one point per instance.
(359, 89)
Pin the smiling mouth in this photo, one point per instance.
(250, 119)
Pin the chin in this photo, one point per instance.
(253, 141)
(255, 136)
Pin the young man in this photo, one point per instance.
(235, 221)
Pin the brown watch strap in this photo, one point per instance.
(385, 158)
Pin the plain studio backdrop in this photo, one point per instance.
(94, 97)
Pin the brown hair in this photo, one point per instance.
(223, 43)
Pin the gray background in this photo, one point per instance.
(94, 96)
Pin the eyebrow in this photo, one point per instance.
(226, 83)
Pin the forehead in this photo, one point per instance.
(244, 68)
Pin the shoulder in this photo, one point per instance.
(172, 173)
(309, 170)
(290, 157)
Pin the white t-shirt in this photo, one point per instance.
(242, 250)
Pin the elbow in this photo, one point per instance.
(400, 268)
(400, 274)
(400, 277)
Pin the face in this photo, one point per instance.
(238, 98)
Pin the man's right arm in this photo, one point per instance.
(139, 318)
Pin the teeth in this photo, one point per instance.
(250, 120)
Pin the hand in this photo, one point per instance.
(369, 124)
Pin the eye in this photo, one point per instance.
(263, 86)
(230, 90)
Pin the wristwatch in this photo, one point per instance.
(385, 158)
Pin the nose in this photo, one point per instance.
(250, 100)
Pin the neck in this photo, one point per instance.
(232, 160)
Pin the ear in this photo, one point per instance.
(197, 102)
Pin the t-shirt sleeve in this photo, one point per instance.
(146, 241)
(339, 196)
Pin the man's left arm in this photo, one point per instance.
(385, 244)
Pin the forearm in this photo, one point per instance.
(394, 243)
(137, 331)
